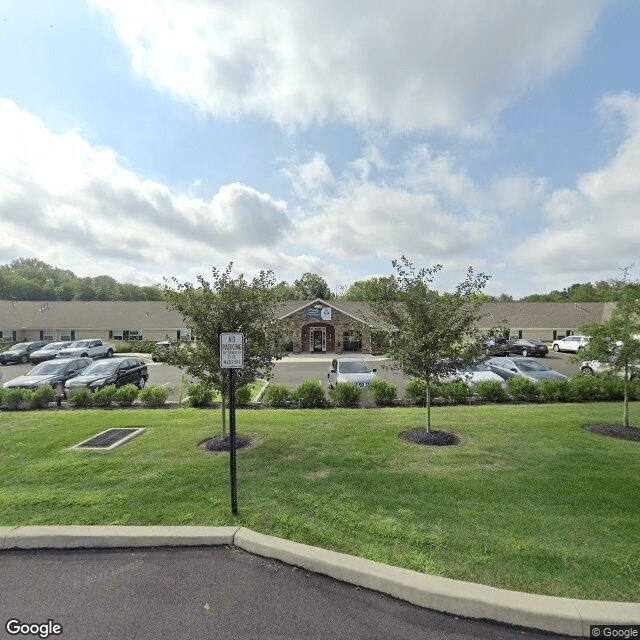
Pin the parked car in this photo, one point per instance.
(48, 352)
(119, 371)
(531, 369)
(471, 373)
(350, 370)
(496, 346)
(529, 347)
(21, 351)
(160, 351)
(53, 372)
(593, 366)
(570, 343)
(90, 348)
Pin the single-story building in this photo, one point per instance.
(327, 326)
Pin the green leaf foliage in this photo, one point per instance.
(345, 394)
(227, 304)
(277, 395)
(310, 395)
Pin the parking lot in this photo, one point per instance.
(291, 370)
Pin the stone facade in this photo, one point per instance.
(319, 327)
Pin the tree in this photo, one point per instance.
(226, 304)
(311, 286)
(616, 342)
(373, 289)
(431, 330)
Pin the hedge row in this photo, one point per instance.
(150, 396)
(311, 394)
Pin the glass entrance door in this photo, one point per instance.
(318, 339)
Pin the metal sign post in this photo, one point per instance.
(232, 358)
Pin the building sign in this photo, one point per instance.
(232, 350)
(319, 313)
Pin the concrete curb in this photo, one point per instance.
(547, 613)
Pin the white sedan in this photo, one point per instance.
(350, 370)
(472, 373)
(570, 343)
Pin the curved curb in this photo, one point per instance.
(547, 613)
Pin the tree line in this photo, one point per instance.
(32, 279)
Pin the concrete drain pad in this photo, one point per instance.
(109, 439)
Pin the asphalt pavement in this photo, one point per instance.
(210, 592)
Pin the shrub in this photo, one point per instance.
(3, 393)
(455, 392)
(243, 394)
(345, 394)
(81, 398)
(154, 395)
(105, 397)
(126, 395)
(199, 395)
(28, 397)
(13, 398)
(522, 389)
(555, 390)
(43, 396)
(277, 395)
(384, 392)
(416, 392)
(613, 387)
(490, 390)
(587, 388)
(310, 394)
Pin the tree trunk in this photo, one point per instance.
(224, 417)
(428, 406)
(625, 413)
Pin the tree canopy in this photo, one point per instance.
(32, 279)
(616, 342)
(431, 330)
(226, 304)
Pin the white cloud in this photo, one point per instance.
(592, 230)
(78, 203)
(405, 65)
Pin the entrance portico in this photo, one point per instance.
(318, 337)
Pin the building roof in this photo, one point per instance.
(104, 316)
(81, 315)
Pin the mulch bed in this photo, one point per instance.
(432, 438)
(614, 431)
(224, 444)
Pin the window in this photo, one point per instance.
(7, 336)
(67, 335)
(352, 341)
(46, 334)
(125, 334)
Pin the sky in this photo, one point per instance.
(160, 138)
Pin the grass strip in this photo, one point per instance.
(527, 501)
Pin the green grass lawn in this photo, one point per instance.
(528, 501)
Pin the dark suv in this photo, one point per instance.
(118, 371)
(21, 351)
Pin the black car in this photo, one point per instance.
(21, 351)
(118, 371)
(496, 346)
(48, 352)
(529, 347)
(55, 373)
